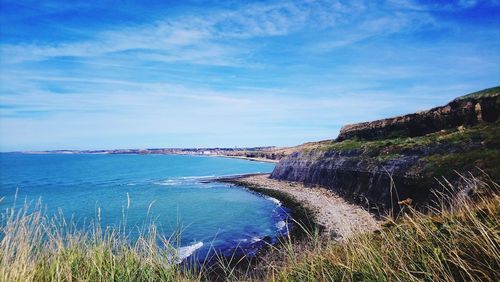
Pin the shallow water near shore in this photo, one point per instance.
(172, 188)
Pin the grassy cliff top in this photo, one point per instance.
(489, 92)
(440, 153)
(487, 133)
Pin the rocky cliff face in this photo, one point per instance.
(466, 111)
(386, 161)
(350, 176)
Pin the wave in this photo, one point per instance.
(197, 177)
(280, 225)
(274, 200)
(168, 182)
(255, 239)
(183, 179)
(251, 240)
(185, 252)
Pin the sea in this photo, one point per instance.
(175, 192)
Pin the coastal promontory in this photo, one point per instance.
(404, 159)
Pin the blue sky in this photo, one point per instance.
(143, 74)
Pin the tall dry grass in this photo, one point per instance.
(458, 241)
(38, 247)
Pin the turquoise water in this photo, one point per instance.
(174, 188)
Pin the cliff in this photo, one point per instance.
(472, 109)
(390, 160)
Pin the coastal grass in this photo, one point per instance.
(38, 247)
(458, 241)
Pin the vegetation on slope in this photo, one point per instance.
(488, 133)
(489, 92)
(457, 243)
(441, 153)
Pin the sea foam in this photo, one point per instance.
(185, 252)
(274, 200)
(280, 225)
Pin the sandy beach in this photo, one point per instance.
(340, 218)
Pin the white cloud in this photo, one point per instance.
(218, 37)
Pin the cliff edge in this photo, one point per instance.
(384, 162)
(468, 110)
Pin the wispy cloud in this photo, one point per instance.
(221, 37)
(273, 72)
(454, 5)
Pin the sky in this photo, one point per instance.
(149, 74)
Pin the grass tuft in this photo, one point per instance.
(459, 241)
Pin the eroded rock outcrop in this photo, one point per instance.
(400, 158)
(467, 111)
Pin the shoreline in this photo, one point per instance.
(308, 220)
(312, 207)
(298, 212)
(264, 160)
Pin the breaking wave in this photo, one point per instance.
(185, 252)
